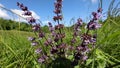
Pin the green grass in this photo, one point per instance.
(15, 50)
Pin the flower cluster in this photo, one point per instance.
(54, 45)
(93, 24)
(26, 13)
(57, 11)
(83, 49)
(37, 29)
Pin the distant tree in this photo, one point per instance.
(13, 25)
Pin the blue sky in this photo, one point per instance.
(43, 9)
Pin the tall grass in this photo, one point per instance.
(16, 50)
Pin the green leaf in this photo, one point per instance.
(12, 64)
(88, 62)
(101, 63)
(111, 36)
(77, 66)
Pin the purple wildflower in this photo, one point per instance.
(77, 56)
(75, 34)
(73, 40)
(58, 6)
(31, 20)
(71, 48)
(93, 25)
(54, 50)
(56, 39)
(79, 21)
(31, 38)
(34, 43)
(22, 7)
(59, 17)
(93, 40)
(84, 58)
(100, 10)
(59, 36)
(50, 24)
(18, 3)
(62, 35)
(36, 27)
(78, 24)
(51, 29)
(28, 13)
(95, 15)
(57, 11)
(38, 51)
(41, 35)
(79, 48)
(86, 42)
(62, 46)
(59, 26)
(48, 42)
(53, 34)
(42, 59)
(85, 49)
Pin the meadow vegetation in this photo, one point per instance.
(16, 51)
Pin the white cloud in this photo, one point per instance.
(20, 12)
(3, 13)
(45, 22)
(93, 1)
(35, 15)
(1, 5)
